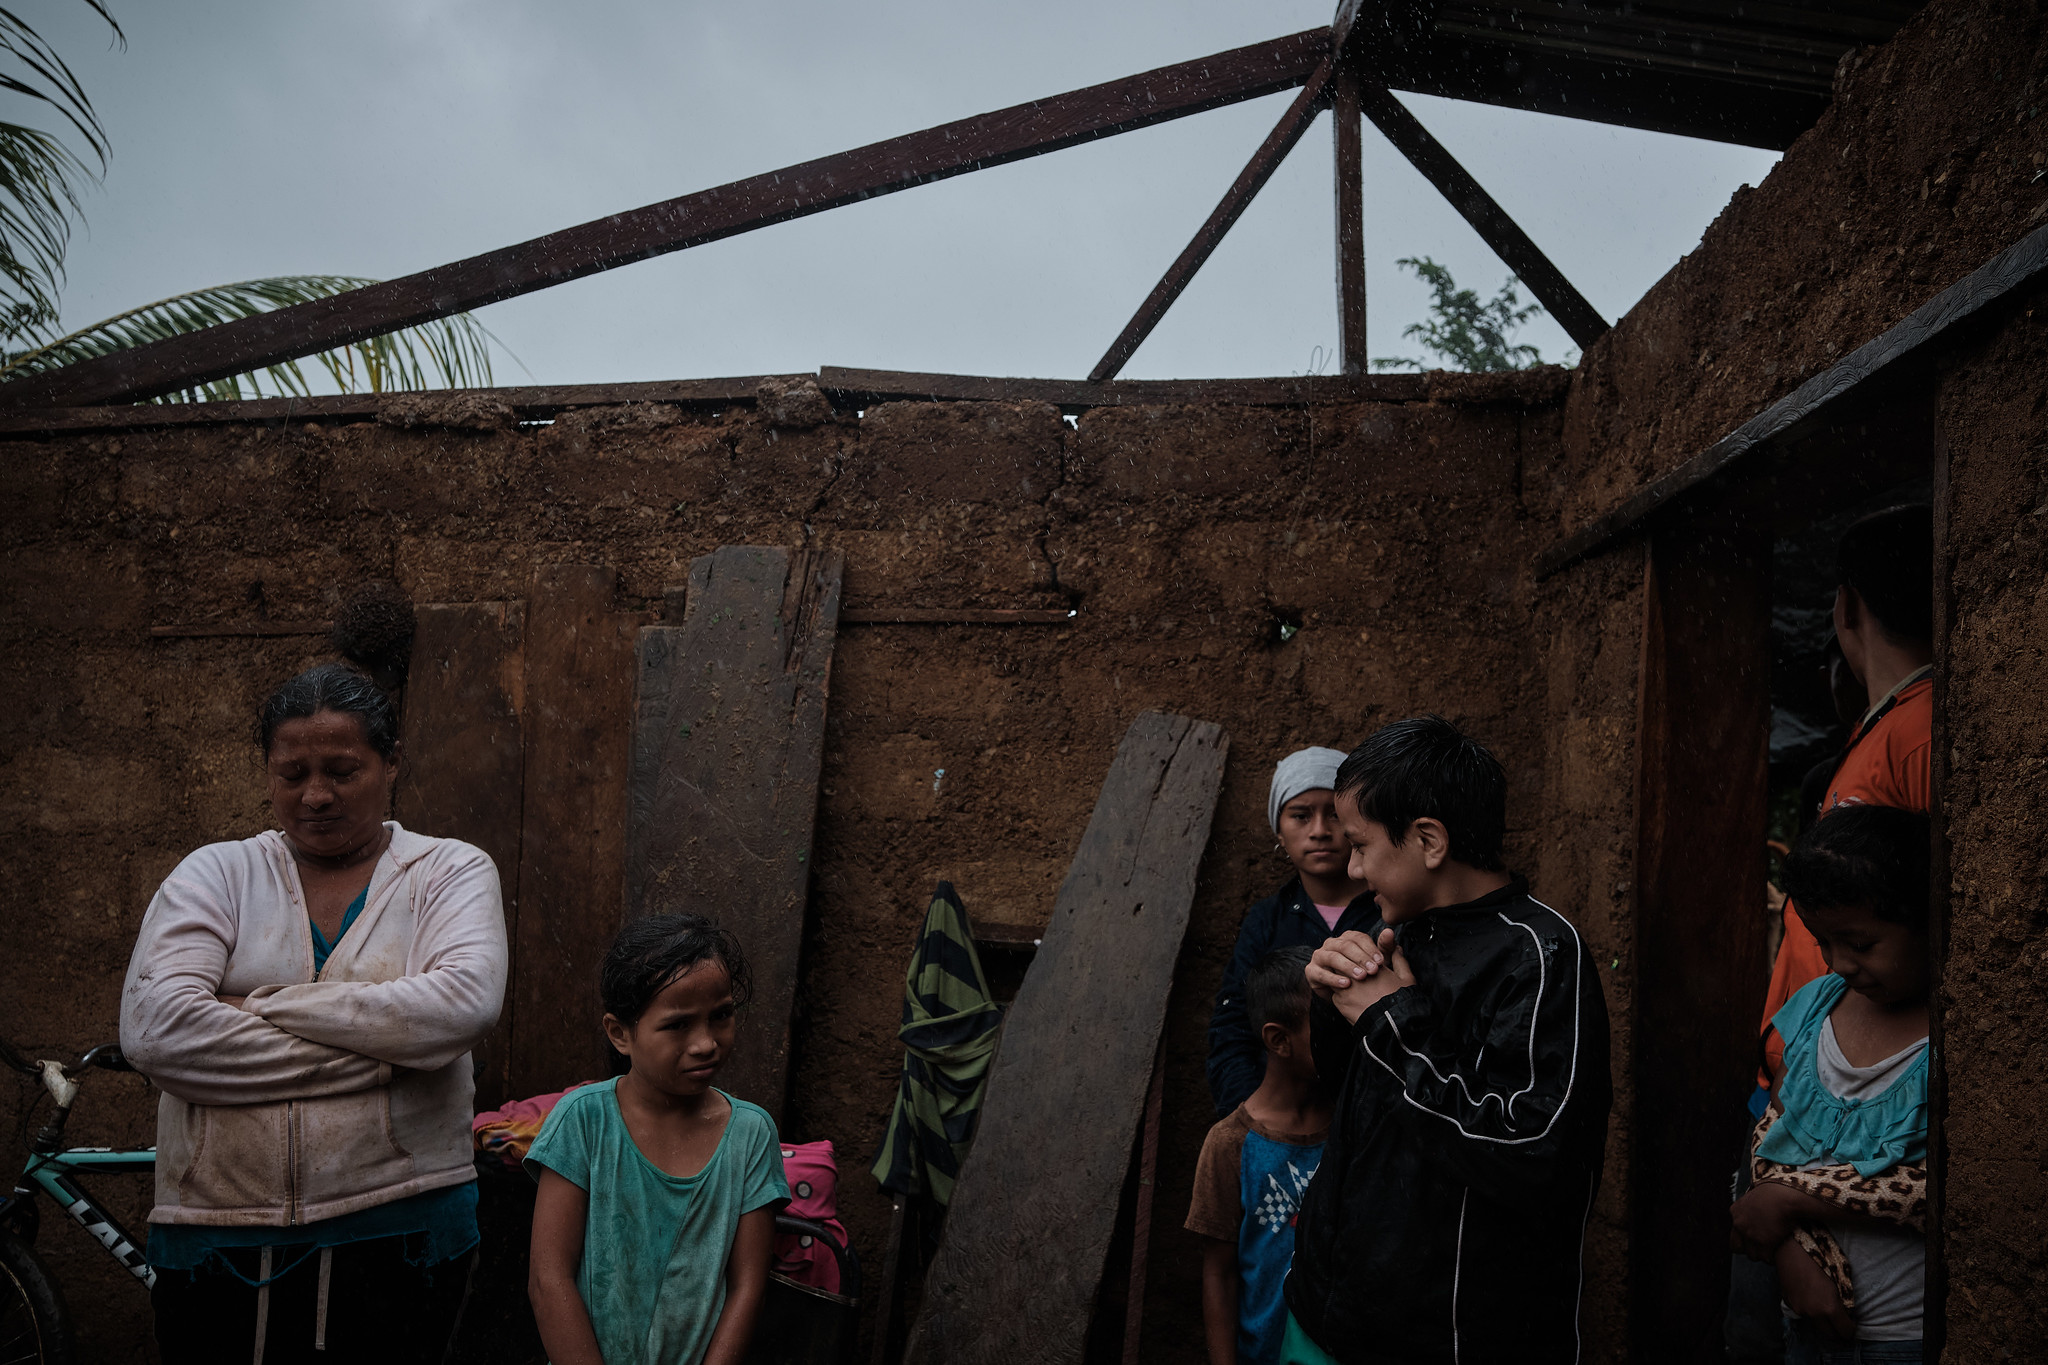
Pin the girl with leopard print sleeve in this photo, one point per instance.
(1839, 1200)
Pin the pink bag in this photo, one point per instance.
(813, 1177)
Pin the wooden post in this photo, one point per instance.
(1347, 141)
(884, 1295)
(1702, 775)
(1141, 1223)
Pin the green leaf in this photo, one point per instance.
(1469, 334)
(40, 177)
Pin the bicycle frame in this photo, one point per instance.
(52, 1173)
(51, 1167)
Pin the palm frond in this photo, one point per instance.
(452, 352)
(40, 177)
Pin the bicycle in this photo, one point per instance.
(35, 1325)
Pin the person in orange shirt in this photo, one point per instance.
(1884, 622)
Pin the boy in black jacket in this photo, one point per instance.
(1447, 1220)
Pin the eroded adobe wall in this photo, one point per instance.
(1994, 756)
(1928, 164)
(1924, 167)
(1398, 535)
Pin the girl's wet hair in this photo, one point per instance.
(651, 953)
(1871, 858)
(331, 687)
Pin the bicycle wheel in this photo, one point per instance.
(35, 1329)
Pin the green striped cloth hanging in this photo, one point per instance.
(949, 1034)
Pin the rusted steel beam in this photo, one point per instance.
(1488, 219)
(1348, 145)
(1266, 160)
(899, 163)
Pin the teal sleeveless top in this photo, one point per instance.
(1872, 1135)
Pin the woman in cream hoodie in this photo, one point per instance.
(306, 1000)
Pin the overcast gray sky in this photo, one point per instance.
(380, 137)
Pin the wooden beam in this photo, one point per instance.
(885, 1296)
(970, 144)
(1266, 160)
(957, 616)
(1488, 219)
(1874, 366)
(1347, 142)
(859, 388)
(728, 740)
(1141, 1215)
(527, 402)
(464, 774)
(847, 388)
(1029, 1227)
(242, 629)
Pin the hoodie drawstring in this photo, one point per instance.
(262, 1305)
(320, 1305)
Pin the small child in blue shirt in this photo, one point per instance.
(1254, 1165)
(656, 1210)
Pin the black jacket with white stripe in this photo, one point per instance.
(1448, 1217)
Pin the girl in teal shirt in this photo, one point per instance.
(658, 1191)
(1843, 1150)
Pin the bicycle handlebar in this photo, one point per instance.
(107, 1057)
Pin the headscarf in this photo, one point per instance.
(1304, 770)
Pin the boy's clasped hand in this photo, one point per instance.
(1354, 973)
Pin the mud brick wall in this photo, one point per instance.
(1584, 863)
(1397, 537)
(1992, 758)
(1922, 169)
(1926, 165)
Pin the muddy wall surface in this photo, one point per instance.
(1929, 162)
(1992, 757)
(1922, 169)
(1395, 536)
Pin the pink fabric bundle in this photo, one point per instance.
(814, 1194)
(505, 1134)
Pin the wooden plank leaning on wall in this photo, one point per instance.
(1030, 1222)
(463, 773)
(728, 740)
(579, 671)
